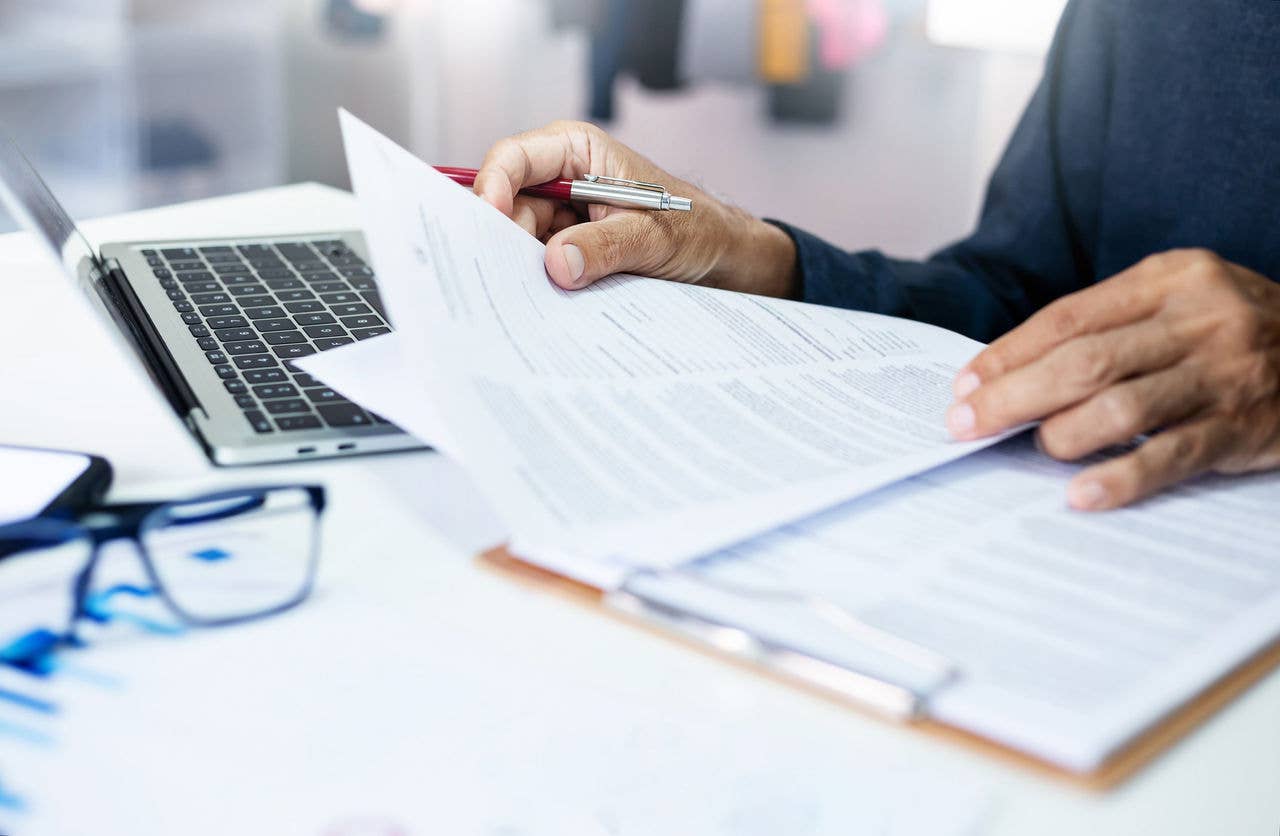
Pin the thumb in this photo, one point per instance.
(581, 254)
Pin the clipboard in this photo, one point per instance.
(1159, 738)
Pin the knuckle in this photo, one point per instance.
(1061, 319)
(1093, 366)
(1121, 414)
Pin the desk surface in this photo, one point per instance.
(420, 689)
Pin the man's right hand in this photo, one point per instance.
(714, 244)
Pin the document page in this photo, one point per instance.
(638, 421)
(1070, 633)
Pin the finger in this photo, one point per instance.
(1124, 298)
(533, 214)
(526, 160)
(583, 253)
(1119, 413)
(1066, 375)
(1163, 460)
(564, 218)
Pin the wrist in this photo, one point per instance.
(756, 257)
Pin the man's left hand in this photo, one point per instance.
(1184, 346)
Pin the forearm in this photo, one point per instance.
(755, 257)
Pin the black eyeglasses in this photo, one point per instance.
(213, 560)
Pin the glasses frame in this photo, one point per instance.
(99, 524)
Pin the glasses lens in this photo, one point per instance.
(234, 556)
(35, 598)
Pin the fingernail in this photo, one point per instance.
(574, 261)
(1087, 496)
(960, 419)
(965, 384)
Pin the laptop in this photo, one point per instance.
(218, 323)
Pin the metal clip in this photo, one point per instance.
(619, 181)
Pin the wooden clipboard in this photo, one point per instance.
(1121, 766)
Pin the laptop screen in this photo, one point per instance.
(32, 204)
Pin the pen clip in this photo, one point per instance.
(619, 181)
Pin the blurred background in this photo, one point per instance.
(870, 122)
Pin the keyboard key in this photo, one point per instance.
(192, 318)
(268, 326)
(177, 295)
(325, 396)
(268, 312)
(346, 260)
(247, 347)
(219, 310)
(295, 296)
(254, 361)
(293, 351)
(283, 407)
(215, 357)
(366, 333)
(235, 334)
(210, 298)
(247, 290)
(258, 421)
(343, 415)
(170, 284)
(362, 284)
(329, 287)
(276, 390)
(298, 422)
(148, 252)
(246, 401)
(222, 258)
(276, 275)
(304, 380)
(155, 261)
(230, 269)
(185, 266)
(338, 298)
(315, 319)
(202, 287)
(161, 273)
(236, 387)
(238, 279)
(284, 284)
(194, 276)
(366, 321)
(217, 323)
(304, 307)
(255, 250)
(198, 331)
(225, 372)
(310, 266)
(207, 344)
(216, 248)
(356, 272)
(332, 342)
(257, 376)
(320, 276)
(372, 297)
(263, 263)
(320, 331)
(183, 307)
(284, 337)
(294, 250)
(179, 253)
(255, 301)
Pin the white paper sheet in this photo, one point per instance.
(1072, 632)
(638, 421)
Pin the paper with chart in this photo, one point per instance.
(1071, 632)
(638, 421)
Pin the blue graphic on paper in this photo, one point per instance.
(211, 555)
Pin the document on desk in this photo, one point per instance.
(1070, 634)
(637, 422)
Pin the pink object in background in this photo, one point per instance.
(848, 30)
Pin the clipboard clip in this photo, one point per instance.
(858, 684)
(621, 181)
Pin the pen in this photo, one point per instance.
(592, 188)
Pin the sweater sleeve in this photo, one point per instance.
(1034, 240)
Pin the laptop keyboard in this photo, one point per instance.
(254, 308)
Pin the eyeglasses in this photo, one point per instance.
(213, 560)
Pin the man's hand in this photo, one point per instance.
(714, 244)
(1183, 345)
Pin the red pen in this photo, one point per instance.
(592, 188)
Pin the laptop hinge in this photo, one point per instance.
(155, 355)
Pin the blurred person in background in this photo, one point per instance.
(1125, 261)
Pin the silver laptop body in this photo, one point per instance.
(216, 322)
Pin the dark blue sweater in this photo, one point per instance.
(1156, 126)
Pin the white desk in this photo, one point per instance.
(418, 689)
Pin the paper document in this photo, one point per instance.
(1070, 632)
(638, 422)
